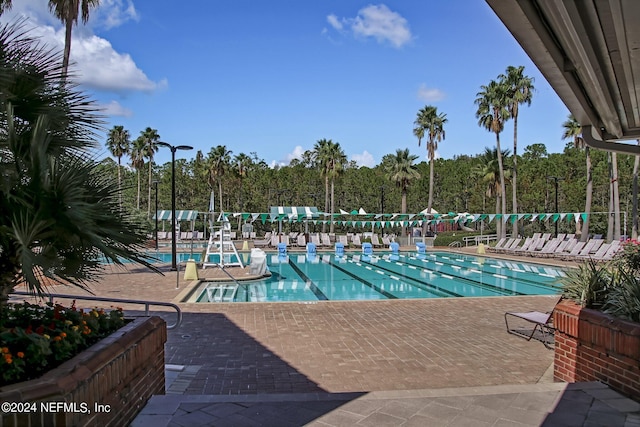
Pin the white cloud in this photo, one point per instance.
(95, 63)
(115, 109)
(334, 22)
(364, 159)
(430, 94)
(100, 66)
(114, 13)
(378, 22)
(296, 154)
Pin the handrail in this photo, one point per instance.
(475, 240)
(122, 300)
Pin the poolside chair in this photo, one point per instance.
(326, 240)
(301, 241)
(597, 255)
(512, 246)
(543, 323)
(498, 245)
(552, 246)
(591, 247)
(343, 239)
(264, 242)
(577, 247)
(528, 245)
(549, 247)
(356, 240)
(615, 246)
(375, 241)
(315, 239)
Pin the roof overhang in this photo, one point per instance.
(589, 52)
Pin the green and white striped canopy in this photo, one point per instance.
(180, 215)
(293, 212)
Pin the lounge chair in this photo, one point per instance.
(525, 245)
(301, 241)
(315, 239)
(343, 239)
(616, 245)
(326, 240)
(498, 245)
(591, 247)
(264, 242)
(577, 247)
(552, 247)
(512, 246)
(548, 248)
(356, 240)
(375, 241)
(599, 254)
(542, 322)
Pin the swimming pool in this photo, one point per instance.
(386, 276)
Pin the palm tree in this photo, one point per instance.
(58, 214)
(520, 91)
(401, 170)
(4, 6)
(137, 155)
(331, 160)
(242, 163)
(149, 139)
(489, 173)
(430, 124)
(573, 129)
(218, 162)
(492, 102)
(68, 12)
(119, 144)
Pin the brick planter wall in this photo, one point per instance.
(120, 372)
(593, 346)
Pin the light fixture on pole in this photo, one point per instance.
(556, 179)
(155, 183)
(173, 149)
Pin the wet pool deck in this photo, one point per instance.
(395, 362)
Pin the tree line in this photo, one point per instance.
(244, 182)
(466, 183)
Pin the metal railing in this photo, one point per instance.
(119, 300)
(476, 240)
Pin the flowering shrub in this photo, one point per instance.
(35, 338)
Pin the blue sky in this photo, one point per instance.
(273, 77)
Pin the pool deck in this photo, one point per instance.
(333, 363)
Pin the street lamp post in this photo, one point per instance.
(173, 149)
(155, 182)
(556, 179)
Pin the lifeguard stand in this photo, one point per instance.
(221, 251)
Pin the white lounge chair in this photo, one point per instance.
(264, 242)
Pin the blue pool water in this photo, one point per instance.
(385, 276)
